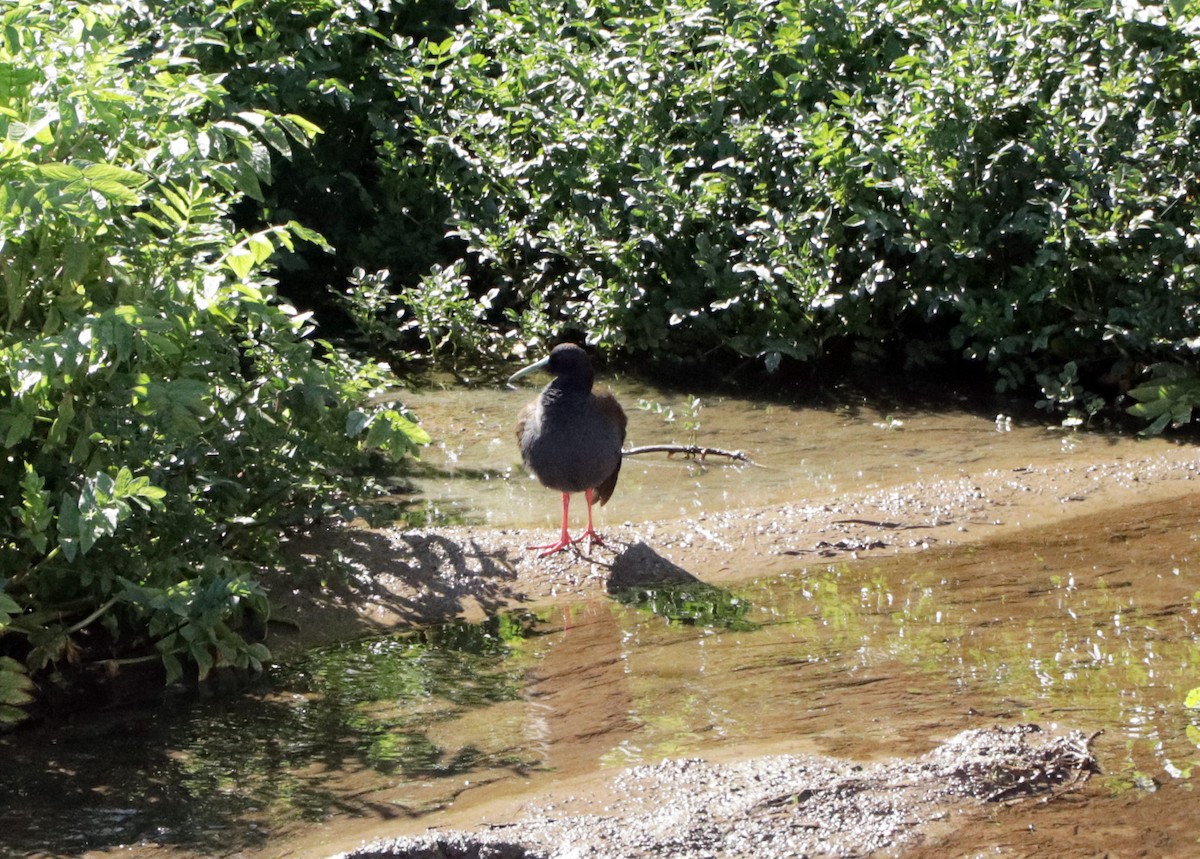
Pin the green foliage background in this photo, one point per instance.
(1012, 185)
(1005, 186)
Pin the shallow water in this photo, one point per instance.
(474, 473)
(1094, 627)
(861, 660)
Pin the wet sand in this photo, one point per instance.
(398, 577)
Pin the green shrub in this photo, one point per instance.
(1010, 185)
(321, 59)
(161, 412)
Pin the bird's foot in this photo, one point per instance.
(591, 536)
(564, 542)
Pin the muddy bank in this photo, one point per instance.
(379, 579)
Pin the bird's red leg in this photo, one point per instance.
(592, 537)
(565, 540)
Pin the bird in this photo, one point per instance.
(570, 437)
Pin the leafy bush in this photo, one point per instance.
(321, 59)
(161, 412)
(1010, 185)
(1013, 185)
(1169, 398)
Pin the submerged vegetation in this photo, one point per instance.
(1006, 186)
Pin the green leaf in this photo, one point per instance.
(1169, 400)
(11, 715)
(246, 179)
(174, 667)
(8, 605)
(69, 527)
(299, 127)
(260, 247)
(202, 655)
(35, 513)
(113, 173)
(15, 691)
(393, 432)
(253, 118)
(357, 422)
(305, 234)
(241, 262)
(1193, 734)
(139, 490)
(61, 172)
(260, 161)
(76, 260)
(274, 134)
(116, 192)
(19, 428)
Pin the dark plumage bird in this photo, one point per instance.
(570, 437)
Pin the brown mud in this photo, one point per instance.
(1126, 520)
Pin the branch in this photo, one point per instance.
(91, 617)
(689, 450)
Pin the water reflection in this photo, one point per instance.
(897, 647)
(691, 605)
(209, 774)
(860, 660)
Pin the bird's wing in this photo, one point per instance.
(612, 411)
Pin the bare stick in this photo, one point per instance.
(691, 450)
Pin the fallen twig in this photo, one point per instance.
(1059, 769)
(896, 526)
(691, 450)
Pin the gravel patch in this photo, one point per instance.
(776, 807)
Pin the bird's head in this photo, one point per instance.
(566, 361)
